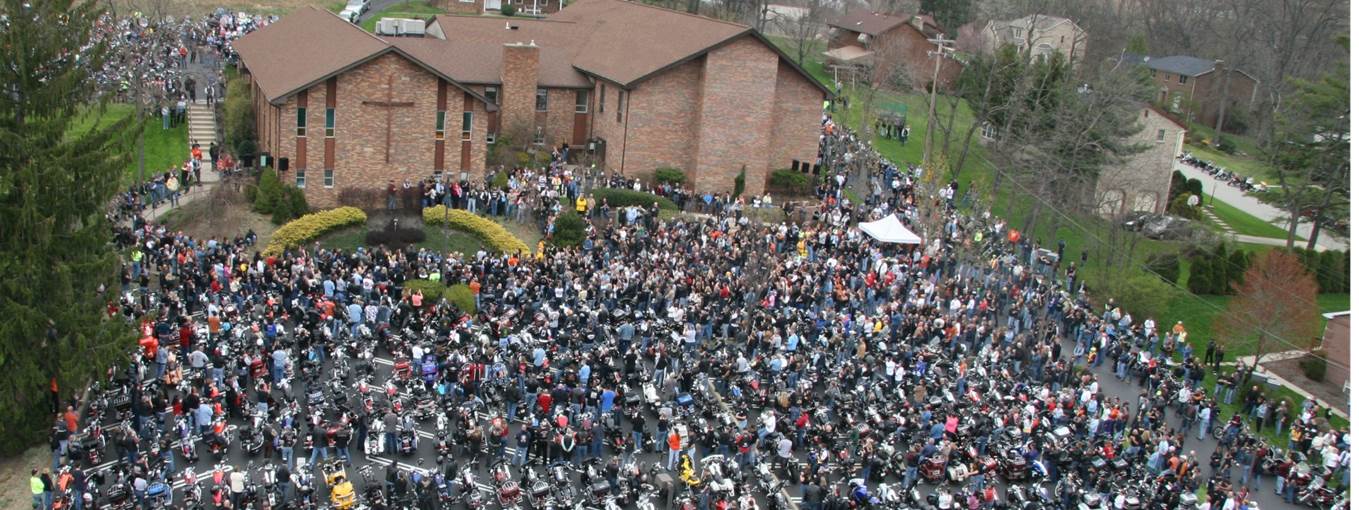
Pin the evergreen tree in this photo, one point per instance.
(950, 14)
(57, 263)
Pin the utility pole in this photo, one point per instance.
(940, 51)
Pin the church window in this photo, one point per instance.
(301, 121)
(540, 102)
(330, 122)
(466, 126)
(439, 125)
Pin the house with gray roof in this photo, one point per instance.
(1193, 86)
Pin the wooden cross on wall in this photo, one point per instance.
(389, 105)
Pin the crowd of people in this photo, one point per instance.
(857, 373)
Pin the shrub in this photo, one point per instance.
(1314, 366)
(431, 289)
(251, 191)
(1180, 207)
(490, 232)
(507, 9)
(1177, 183)
(1200, 276)
(669, 175)
(1226, 146)
(267, 192)
(625, 197)
(788, 180)
(239, 118)
(1165, 265)
(740, 187)
(1239, 261)
(501, 180)
(310, 226)
(568, 230)
(461, 296)
(1222, 271)
(1142, 295)
(394, 237)
(458, 294)
(1194, 187)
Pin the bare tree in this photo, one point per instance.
(805, 28)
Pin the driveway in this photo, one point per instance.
(1238, 199)
(377, 6)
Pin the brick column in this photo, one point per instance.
(518, 86)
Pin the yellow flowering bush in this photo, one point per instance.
(306, 228)
(490, 232)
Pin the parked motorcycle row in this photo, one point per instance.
(1247, 184)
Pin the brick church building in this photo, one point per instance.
(645, 86)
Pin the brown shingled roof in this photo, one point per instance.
(629, 41)
(866, 22)
(303, 47)
(616, 40)
(479, 62)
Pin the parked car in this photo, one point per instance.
(359, 6)
(349, 15)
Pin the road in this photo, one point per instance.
(1219, 190)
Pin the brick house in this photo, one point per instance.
(646, 87)
(1335, 343)
(1193, 85)
(857, 37)
(1142, 183)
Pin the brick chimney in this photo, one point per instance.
(518, 84)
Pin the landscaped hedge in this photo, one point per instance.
(490, 232)
(311, 226)
(458, 294)
(626, 197)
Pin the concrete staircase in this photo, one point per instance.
(202, 126)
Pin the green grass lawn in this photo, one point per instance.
(413, 9)
(1248, 160)
(1199, 312)
(1244, 223)
(436, 239)
(165, 148)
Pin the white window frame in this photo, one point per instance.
(300, 180)
(328, 178)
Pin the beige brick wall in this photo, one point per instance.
(735, 116)
(1141, 184)
(797, 117)
(661, 130)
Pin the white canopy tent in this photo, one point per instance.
(889, 230)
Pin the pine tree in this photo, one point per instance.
(56, 244)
